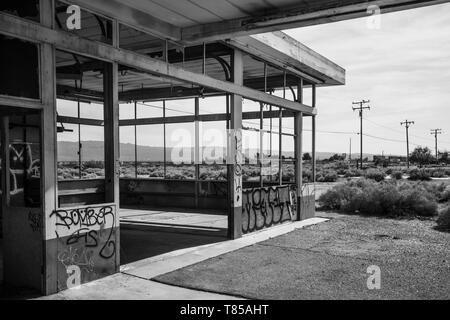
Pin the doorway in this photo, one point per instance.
(21, 218)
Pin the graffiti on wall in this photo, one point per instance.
(237, 180)
(86, 240)
(268, 206)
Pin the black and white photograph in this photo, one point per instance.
(222, 156)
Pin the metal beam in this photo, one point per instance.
(62, 40)
(311, 13)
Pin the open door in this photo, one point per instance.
(21, 198)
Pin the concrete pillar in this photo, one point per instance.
(235, 152)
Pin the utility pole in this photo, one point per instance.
(436, 132)
(407, 125)
(360, 108)
(350, 154)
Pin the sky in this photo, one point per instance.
(403, 68)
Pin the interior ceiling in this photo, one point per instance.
(82, 77)
(198, 20)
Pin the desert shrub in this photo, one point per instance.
(445, 195)
(443, 220)
(437, 173)
(388, 171)
(94, 164)
(327, 176)
(375, 174)
(380, 198)
(354, 173)
(419, 174)
(398, 175)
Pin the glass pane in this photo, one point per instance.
(127, 152)
(91, 110)
(150, 151)
(153, 109)
(180, 141)
(288, 172)
(126, 111)
(180, 172)
(288, 147)
(180, 107)
(213, 142)
(19, 68)
(251, 173)
(213, 172)
(68, 166)
(92, 152)
(67, 108)
(213, 105)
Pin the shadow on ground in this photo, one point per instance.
(145, 241)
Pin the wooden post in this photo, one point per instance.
(235, 149)
(49, 183)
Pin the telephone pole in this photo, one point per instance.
(407, 125)
(436, 132)
(360, 108)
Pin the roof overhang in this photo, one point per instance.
(284, 51)
(205, 20)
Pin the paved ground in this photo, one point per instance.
(329, 261)
(134, 282)
(178, 217)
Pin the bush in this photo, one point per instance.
(398, 175)
(437, 173)
(327, 176)
(445, 195)
(380, 198)
(375, 174)
(444, 218)
(419, 174)
(354, 173)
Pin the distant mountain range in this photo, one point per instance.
(93, 150)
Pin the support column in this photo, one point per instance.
(235, 152)
(112, 163)
(49, 183)
(197, 150)
(298, 125)
(313, 119)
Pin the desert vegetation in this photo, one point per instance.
(391, 198)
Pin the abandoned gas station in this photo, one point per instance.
(197, 109)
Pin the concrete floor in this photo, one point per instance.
(180, 217)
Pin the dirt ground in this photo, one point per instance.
(330, 261)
